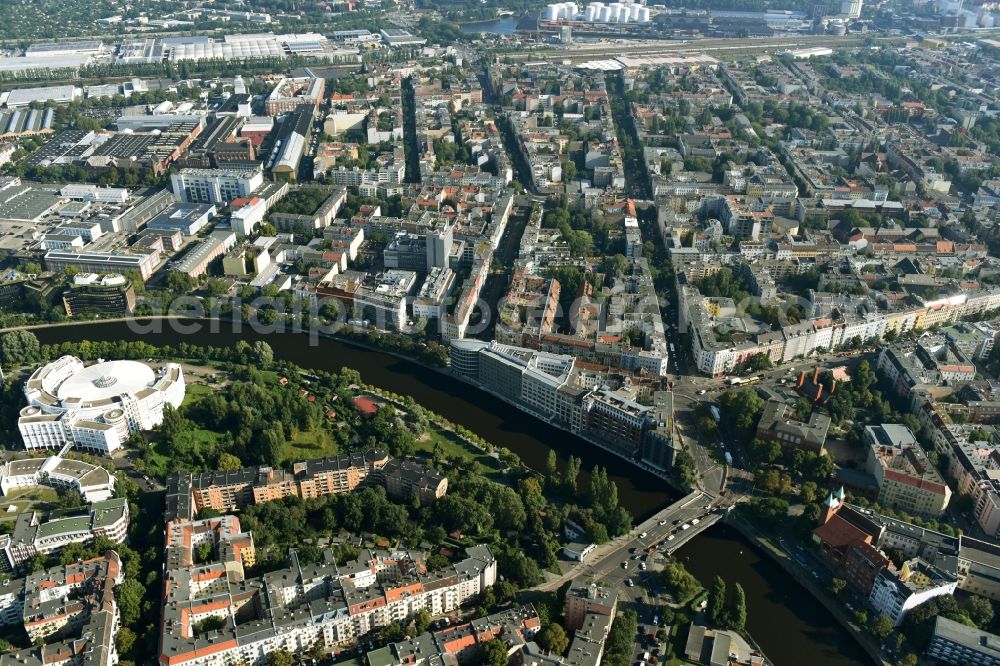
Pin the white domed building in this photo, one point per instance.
(95, 407)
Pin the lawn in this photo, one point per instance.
(453, 447)
(39, 497)
(194, 392)
(317, 443)
(158, 457)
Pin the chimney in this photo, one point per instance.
(816, 375)
(819, 392)
(802, 379)
(833, 386)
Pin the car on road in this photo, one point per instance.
(696, 521)
(642, 536)
(629, 582)
(625, 564)
(642, 566)
(702, 391)
(670, 538)
(686, 526)
(663, 522)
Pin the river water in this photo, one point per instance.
(501, 26)
(788, 624)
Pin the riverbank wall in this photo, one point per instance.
(799, 575)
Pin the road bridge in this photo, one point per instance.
(614, 560)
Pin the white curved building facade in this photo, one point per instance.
(95, 484)
(95, 407)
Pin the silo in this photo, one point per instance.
(552, 12)
(633, 13)
(623, 14)
(571, 10)
(590, 13)
(644, 15)
(605, 15)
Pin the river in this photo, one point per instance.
(788, 624)
(505, 25)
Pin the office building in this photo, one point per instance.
(93, 483)
(188, 218)
(96, 407)
(196, 260)
(215, 186)
(583, 598)
(247, 214)
(959, 644)
(92, 294)
(31, 536)
(906, 478)
(779, 424)
(102, 262)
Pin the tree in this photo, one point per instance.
(126, 487)
(737, 614)
(203, 552)
(572, 474)
(980, 610)
(263, 354)
(280, 658)
(764, 450)
(180, 283)
(494, 653)
(883, 626)
(568, 171)
(19, 348)
(553, 638)
(552, 468)
(125, 640)
(717, 600)
(228, 462)
(741, 410)
(837, 586)
(130, 595)
(679, 581)
(759, 362)
(218, 287)
(421, 621)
